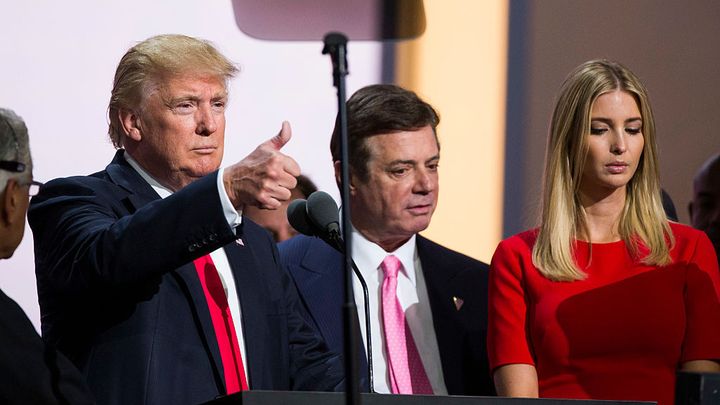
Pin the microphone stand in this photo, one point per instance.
(322, 211)
(338, 244)
(336, 45)
(371, 385)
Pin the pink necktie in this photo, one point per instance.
(407, 374)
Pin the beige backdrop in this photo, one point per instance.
(493, 68)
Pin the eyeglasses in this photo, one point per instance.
(12, 166)
(33, 187)
(19, 167)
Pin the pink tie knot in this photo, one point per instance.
(391, 265)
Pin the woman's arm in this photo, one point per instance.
(701, 344)
(510, 356)
(516, 380)
(701, 366)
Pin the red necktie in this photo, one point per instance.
(223, 324)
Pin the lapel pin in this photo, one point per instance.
(240, 242)
(458, 303)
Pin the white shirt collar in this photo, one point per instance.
(368, 256)
(159, 188)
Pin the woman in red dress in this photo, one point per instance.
(606, 299)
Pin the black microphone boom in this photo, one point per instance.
(322, 214)
(383, 19)
(298, 214)
(318, 216)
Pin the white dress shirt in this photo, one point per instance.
(218, 256)
(413, 297)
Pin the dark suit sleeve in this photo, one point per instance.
(88, 234)
(312, 367)
(32, 373)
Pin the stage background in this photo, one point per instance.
(59, 58)
(491, 68)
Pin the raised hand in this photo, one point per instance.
(265, 177)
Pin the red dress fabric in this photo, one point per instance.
(621, 333)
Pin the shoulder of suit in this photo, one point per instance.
(249, 224)
(75, 185)
(295, 244)
(447, 254)
(297, 248)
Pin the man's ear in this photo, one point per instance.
(338, 176)
(10, 202)
(130, 122)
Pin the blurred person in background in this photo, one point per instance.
(705, 205)
(276, 221)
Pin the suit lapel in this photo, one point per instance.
(122, 174)
(251, 296)
(438, 280)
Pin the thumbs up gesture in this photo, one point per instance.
(265, 177)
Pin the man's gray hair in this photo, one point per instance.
(14, 146)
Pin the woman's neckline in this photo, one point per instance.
(600, 244)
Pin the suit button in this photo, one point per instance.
(193, 247)
(212, 237)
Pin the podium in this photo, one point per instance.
(338, 398)
(697, 388)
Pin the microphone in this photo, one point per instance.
(320, 218)
(323, 212)
(298, 218)
(297, 213)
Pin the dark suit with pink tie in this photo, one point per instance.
(457, 290)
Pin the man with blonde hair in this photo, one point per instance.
(150, 279)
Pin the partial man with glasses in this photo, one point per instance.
(32, 372)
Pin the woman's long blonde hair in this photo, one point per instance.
(643, 220)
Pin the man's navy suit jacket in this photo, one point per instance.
(120, 296)
(461, 333)
(30, 371)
